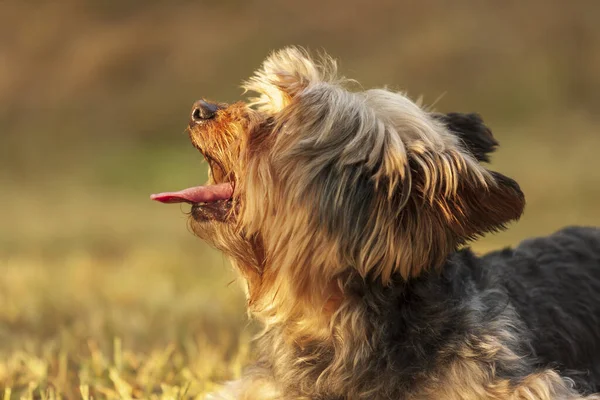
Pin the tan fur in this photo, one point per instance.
(472, 377)
(317, 126)
(471, 381)
(333, 187)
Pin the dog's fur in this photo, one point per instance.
(348, 212)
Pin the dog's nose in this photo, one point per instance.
(202, 111)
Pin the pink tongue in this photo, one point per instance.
(198, 194)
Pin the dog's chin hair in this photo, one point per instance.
(244, 252)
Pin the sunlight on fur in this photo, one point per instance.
(345, 217)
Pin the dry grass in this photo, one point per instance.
(121, 318)
(140, 326)
(106, 294)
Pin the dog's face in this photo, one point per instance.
(312, 184)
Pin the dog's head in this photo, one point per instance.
(312, 184)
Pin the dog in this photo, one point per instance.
(346, 212)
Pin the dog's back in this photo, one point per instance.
(554, 284)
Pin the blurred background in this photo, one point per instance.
(103, 292)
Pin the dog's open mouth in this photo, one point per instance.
(197, 194)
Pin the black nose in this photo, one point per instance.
(203, 111)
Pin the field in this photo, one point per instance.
(104, 294)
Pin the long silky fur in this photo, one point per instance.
(348, 211)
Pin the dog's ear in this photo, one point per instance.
(502, 201)
(454, 198)
(446, 198)
(451, 199)
(467, 207)
(284, 74)
(470, 129)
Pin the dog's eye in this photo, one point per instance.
(203, 111)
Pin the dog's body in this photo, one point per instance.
(553, 283)
(541, 298)
(344, 213)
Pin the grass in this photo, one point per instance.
(106, 295)
(143, 325)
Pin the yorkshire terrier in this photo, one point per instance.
(345, 212)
